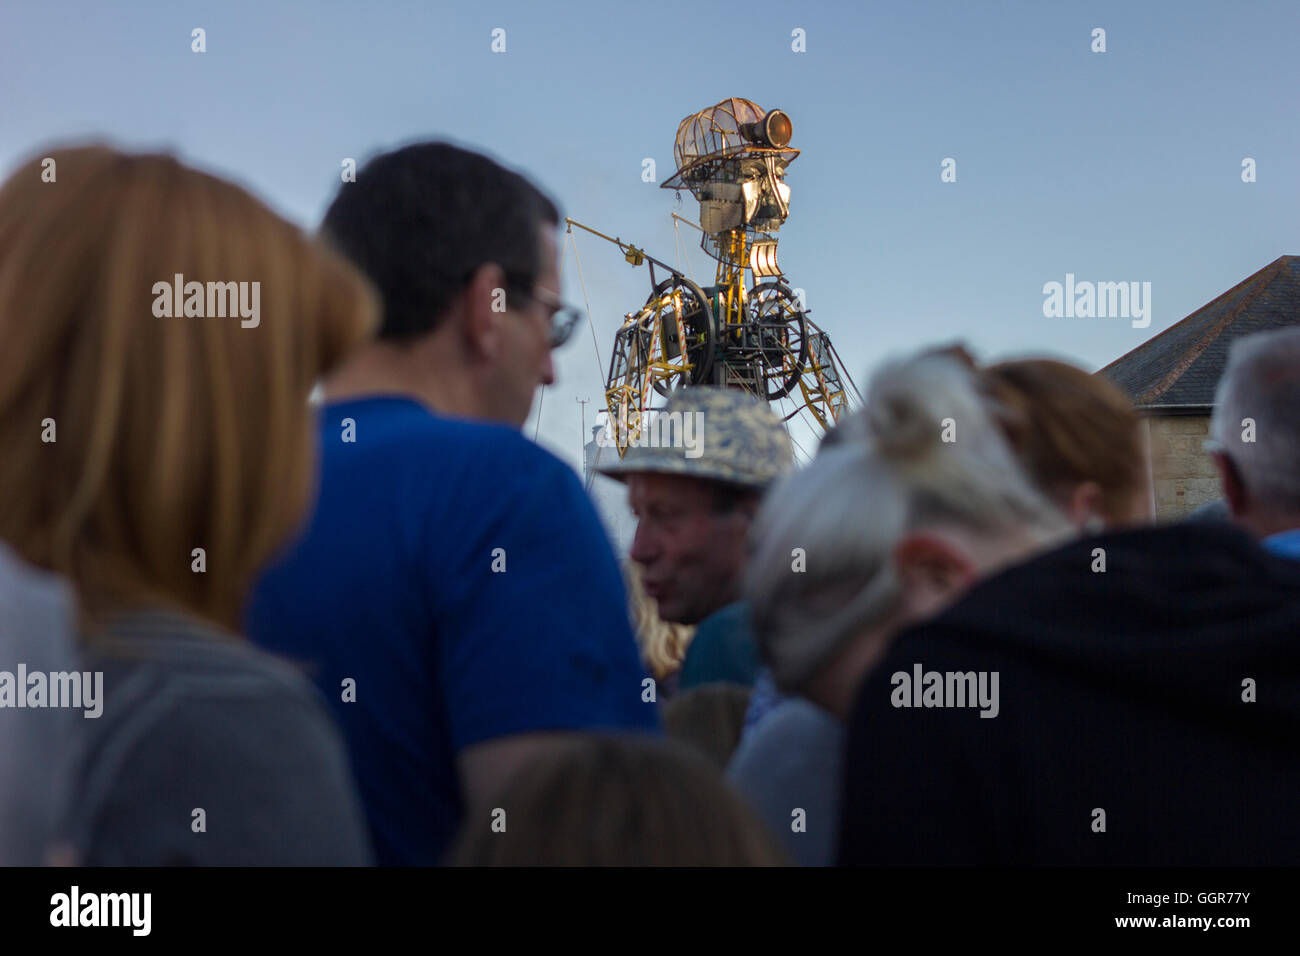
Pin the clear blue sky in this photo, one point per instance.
(1115, 166)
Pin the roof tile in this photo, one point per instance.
(1182, 365)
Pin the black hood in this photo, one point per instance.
(1181, 614)
(1145, 714)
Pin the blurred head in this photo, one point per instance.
(918, 498)
(1256, 431)
(625, 801)
(709, 718)
(694, 486)
(1078, 437)
(132, 439)
(464, 256)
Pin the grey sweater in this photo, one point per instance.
(36, 634)
(209, 752)
(793, 759)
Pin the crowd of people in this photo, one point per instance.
(383, 627)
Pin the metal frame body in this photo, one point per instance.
(749, 329)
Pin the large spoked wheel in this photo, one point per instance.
(778, 333)
(680, 318)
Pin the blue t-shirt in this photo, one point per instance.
(1285, 543)
(459, 575)
(722, 649)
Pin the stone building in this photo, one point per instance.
(1172, 378)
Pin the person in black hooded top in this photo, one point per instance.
(1146, 712)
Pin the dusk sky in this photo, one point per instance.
(1122, 166)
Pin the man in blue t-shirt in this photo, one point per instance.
(454, 595)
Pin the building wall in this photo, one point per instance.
(1184, 477)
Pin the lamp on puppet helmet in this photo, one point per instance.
(774, 129)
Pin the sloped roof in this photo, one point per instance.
(1181, 366)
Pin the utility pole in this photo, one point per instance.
(582, 445)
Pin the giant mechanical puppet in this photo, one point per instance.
(746, 329)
